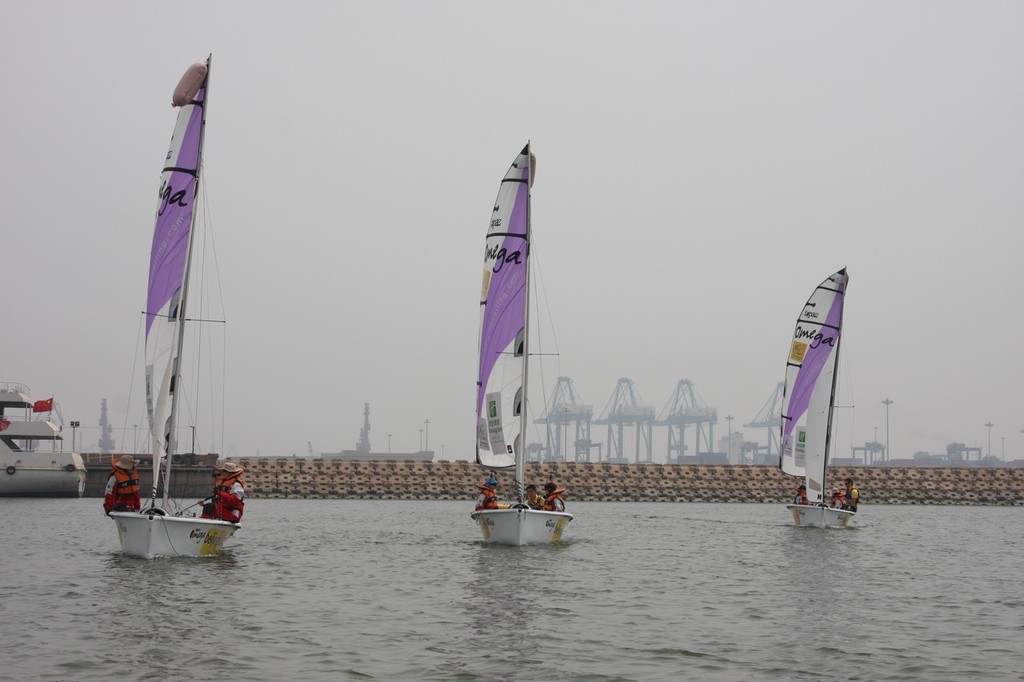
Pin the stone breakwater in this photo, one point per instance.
(587, 481)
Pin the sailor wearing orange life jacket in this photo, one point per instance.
(488, 498)
(228, 494)
(553, 500)
(801, 495)
(122, 493)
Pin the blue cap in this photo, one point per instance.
(491, 480)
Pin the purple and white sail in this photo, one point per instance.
(810, 385)
(504, 313)
(169, 261)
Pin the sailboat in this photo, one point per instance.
(155, 530)
(503, 371)
(809, 395)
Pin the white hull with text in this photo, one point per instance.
(820, 517)
(519, 527)
(152, 534)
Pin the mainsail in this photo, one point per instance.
(504, 311)
(810, 385)
(169, 262)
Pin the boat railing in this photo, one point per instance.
(15, 387)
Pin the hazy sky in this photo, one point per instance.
(701, 167)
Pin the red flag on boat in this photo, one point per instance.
(43, 405)
(4, 423)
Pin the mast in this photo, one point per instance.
(521, 451)
(835, 381)
(183, 305)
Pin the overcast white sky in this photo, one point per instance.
(701, 167)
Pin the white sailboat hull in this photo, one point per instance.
(519, 527)
(820, 517)
(149, 535)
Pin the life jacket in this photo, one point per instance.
(490, 500)
(852, 498)
(535, 502)
(227, 506)
(125, 482)
(549, 501)
(801, 498)
(225, 481)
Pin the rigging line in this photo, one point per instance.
(131, 382)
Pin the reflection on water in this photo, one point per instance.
(406, 590)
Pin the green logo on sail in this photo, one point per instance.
(801, 436)
(492, 407)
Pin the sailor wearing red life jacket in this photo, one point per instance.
(122, 492)
(553, 498)
(228, 494)
(488, 498)
(801, 495)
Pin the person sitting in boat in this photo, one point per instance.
(852, 495)
(534, 500)
(227, 503)
(838, 499)
(553, 500)
(122, 493)
(488, 498)
(801, 495)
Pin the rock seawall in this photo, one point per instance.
(588, 481)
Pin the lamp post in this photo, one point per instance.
(421, 440)
(873, 444)
(729, 419)
(389, 443)
(193, 439)
(887, 403)
(989, 425)
(74, 431)
(426, 437)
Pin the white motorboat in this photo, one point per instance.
(32, 464)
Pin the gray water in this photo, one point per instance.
(346, 589)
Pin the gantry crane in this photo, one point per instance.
(566, 407)
(685, 408)
(626, 408)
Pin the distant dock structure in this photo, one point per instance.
(364, 453)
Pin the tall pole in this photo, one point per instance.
(989, 425)
(875, 443)
(887, 403)
(426, 437)
(729, 419)
(389, 443)
(421, 440)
